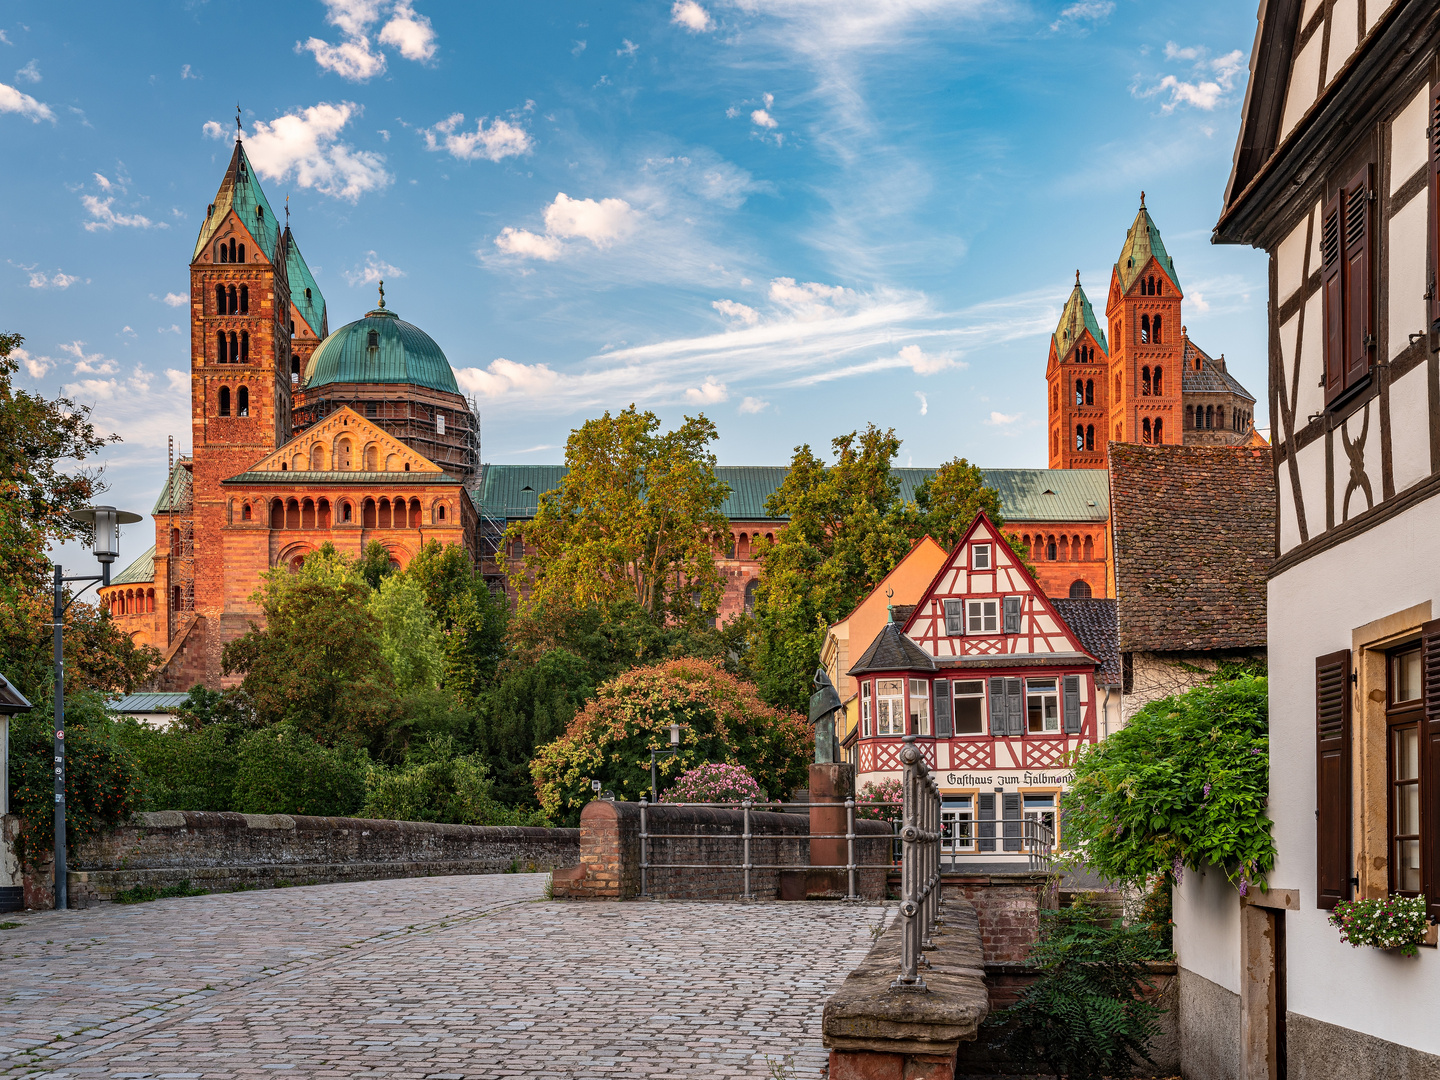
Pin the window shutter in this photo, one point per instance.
(999, 708)
(1015, 700)
(1012, 614)
(1011, 821)
(1334, 300)
(1430, 768)
(985, 821)
(942, 708)
(1359, 324)
(954, 616)
(1332, 778)
(1072, 704)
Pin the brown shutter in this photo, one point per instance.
(1359, 301)
(1430, 768)
(1332, 778)
(1331, 265)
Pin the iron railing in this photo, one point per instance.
(919, 864)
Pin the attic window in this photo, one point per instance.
(260, 212)
(407, 466)
(1047, 491)
(307, 294)
(527, 487)
(374, 340)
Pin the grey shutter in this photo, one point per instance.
(999, 708)
(1012, 614)
(1015, 702)
(954, 616)
(1072, 704)
(942, 708)
(1011, 822)
(985, 821)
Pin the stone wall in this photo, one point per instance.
(610, 853)
(1009, 907)
(225, 851)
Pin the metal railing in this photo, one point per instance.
(747, 838)
(919, 864)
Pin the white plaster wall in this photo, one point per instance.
(1344, 21)
(1310, 461)
(1207, 927)
(1353, 426)
(1373, 10)
(1313, 608)
(1290, 261)
(1408, 151)
(1309, 394)
(1310, 8)
(1304, 84)
(1289, 522)
(1410, 428)
(1407, 240)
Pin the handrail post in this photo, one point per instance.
(911, 910)
(644, 851)
(746, 807)
(850, 847)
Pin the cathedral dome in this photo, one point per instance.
(380, 348)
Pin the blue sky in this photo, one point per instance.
(797, 216)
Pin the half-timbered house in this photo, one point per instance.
(994, 685)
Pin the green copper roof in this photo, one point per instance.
(1141, 242)
(304, 293)
(141, 570)
(179, 486)
(401, 354)
(240, 191)
(1078, 317)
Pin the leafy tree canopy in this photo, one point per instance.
(636, 518)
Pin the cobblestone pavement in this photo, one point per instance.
(446, 977)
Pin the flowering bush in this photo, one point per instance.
(1392, 922)
(887, 791)
(714, 783)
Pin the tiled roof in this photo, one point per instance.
(339, 476)
(311, 307)
(240, 191)
(512, 491)
(1094, 623)
(1194, 529)
(135, 703)
(179, 487)
(892, 651)
(1211, 378)
(141, 570)
(1141, 242)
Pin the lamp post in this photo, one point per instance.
(655, 756)
(106, 522)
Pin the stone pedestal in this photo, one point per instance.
(831, 783)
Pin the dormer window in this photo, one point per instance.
(374, 339)
(307, 294)
(260, 212)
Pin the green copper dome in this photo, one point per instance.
(380, 348)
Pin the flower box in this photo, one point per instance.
(1391, 923)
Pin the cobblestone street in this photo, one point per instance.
(436, 977)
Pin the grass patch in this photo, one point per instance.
(9, 925)
(141, 894)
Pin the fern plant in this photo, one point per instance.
(1086, 1015)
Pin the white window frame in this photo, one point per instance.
(1036, 688)
(865, 708)
(956, 695)
(976, 616)
(977, 552)
(889, 707)
(919, 717)
(955, 810)
(1041, 811)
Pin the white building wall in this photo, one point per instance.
(1314, 607)
(1207, 927)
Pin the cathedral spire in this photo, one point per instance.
(1142, 242)
(1077, 317)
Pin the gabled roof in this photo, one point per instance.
(892, 651)
(1094, 623)
(240, 191)
(140, 571)
(312, 307)
(12, 701)
(176, 488)
(1194, 532)
(1211, 378)
(344, 421)
(1141, 243)
(1077, 317)
(149, 702)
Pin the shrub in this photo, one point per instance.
(103, 785)
(1085, 1016)
(724, 720)
(280, 770)
(184, 768)
(453, 789)
(714, 783)
(1390, 922)
(887, 792)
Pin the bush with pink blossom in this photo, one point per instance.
(887, 792)
(715, 782)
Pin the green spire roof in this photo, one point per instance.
(1078, 317)
(240, 191)
(1141, 242)
(401, 353)
(304, 292)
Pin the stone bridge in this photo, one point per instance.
(472, 977)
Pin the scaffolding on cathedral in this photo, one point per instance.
(180, 530)
(448, 437)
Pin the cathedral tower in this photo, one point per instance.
(1078, 377)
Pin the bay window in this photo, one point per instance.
(919, 707)
(889, 706)
(865, 708)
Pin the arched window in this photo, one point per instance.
(1145, 430)
(232, 251)
(1089, 548)
(1144, 329)
(244, 346)
(1219, 416)
(1079, 590)
(277, 515)
(224, 255)
(234, 348)
(751, 588)
(345, 513)
(245, 512)
(231, 305)
(373, 339)
(149, 599)
(224, 401)
(1079, 437)
(220, 349)
(1064, 549)
(1159, 375)
(322, 513)
(1050, 550)
(1089, 436)
(440, 513)
(307, 514)
(292, 514)
(1155, 335)
(1145, 381)
(1159, 431)
(383, 520)
(244, 299)
(1079, 392)
(1089, 391)
(1189, 416)
(242, 402)
(219, 299)
(1209, 417)
(414, 513)
(1150, 286)
(307, 294)
(1117, 387)
(242, 254)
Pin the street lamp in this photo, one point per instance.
(654, 756)
(106, 522)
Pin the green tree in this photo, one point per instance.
(282, 770)
(184, 768)
(947, 501)
(637, 517)
(1185, 783)
(410, 639)
(374, 565)
(439, 783)
(472, 619)
(532, 705)
(723, 720)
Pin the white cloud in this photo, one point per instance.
(752, 405)
(999, 419)
(104, 218)
(35, 366)
(500, 140)
(175, 299)
(187, 73)
(352, 59)
(135, 408)
(212, 130)
(691, 16)
(1092, 10)
(710, 392)
(628, 48)
(1175, 52)
(762, 118)
(30, 72)
(809, 300)
(924, 402)
(504, 378)
(89, 363)
(352, 16)
(923, 363)
(1199, 301)
(528, 245)
(305, 145)
(599, 222)
(375, 270)
(58, 280)
(105, 185)
(731, 310)
(178, 380)
(128, 331)
(412, 34)
(171, 329)
(578, 49)
(13, 101)
(1212, 79)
